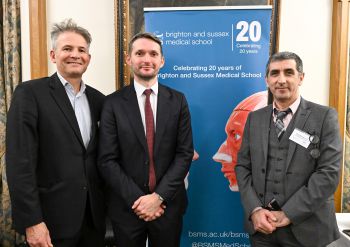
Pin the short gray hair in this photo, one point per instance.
(285, 55)
(68, 26)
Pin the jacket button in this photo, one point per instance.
(261, 194)
(263, 170)
(84, 187)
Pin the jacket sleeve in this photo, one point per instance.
(21, 158)
(244, 169)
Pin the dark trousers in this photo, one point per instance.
(160, 232)
(282, 237)
(88, 236)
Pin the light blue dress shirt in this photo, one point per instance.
(81, 108)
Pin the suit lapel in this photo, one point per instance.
(93, 112)
(301, 116)
(60, 96)
(265, 126)
(163, 113)
(134, 116)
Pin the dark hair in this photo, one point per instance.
(150, 36)
(285, 55)
(68, 26)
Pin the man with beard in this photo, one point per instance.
(145, 152)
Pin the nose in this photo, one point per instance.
(147, 58)
(281, 78)
(74, 53)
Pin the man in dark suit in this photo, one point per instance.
(288, 164)
(145, 152)
(51, 150)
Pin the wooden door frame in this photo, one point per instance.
(338, 74)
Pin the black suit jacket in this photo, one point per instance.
(123, 155)
(50, 172)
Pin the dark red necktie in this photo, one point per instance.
(150, 139)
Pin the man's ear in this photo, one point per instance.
(163, 62)
(267, 85)
(128, 59)
(301, 78)
(53, 56)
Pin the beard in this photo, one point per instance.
(145, 77)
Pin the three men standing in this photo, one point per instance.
(287, 169)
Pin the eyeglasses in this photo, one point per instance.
(315, 151)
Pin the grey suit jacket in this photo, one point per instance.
(309, 183)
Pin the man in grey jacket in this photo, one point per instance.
(288, 164)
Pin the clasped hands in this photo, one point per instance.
(266, 221)
(148, 207)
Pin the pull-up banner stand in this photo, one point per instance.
(216, 56)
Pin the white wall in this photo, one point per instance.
(98, 18)
(305, 28)
(25, 41)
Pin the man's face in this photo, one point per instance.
(71, 55)
(227, 153)
(145, 59)
(284, 80)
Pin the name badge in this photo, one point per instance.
(300, 137)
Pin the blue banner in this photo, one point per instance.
(217, 58)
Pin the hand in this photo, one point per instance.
(38, 236)
(195, 155)
(263, 221)
(148, 207)
(160, 211)
(282, 219)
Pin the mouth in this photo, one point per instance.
(74, 63)
(146, 67)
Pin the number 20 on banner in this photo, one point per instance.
(246, 32)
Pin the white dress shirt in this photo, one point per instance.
(141, 99)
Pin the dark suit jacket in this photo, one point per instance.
(309, 183)
(50, 173)
(123, 155)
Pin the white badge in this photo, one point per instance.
(300, 137)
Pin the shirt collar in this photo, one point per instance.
(293, 107)
(67, 84)
(139, 88)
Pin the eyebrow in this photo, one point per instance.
(145, 51)
(80, 47)
(285, 70)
